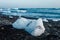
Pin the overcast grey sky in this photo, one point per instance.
(30, 3)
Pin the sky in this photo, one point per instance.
(29, 3)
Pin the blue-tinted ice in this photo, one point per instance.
(34, 27)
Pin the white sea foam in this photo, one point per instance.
(55, 19)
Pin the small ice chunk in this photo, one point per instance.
(45, 20)
(10, 16)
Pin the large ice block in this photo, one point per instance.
(34, 27)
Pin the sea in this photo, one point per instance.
(49, 13)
